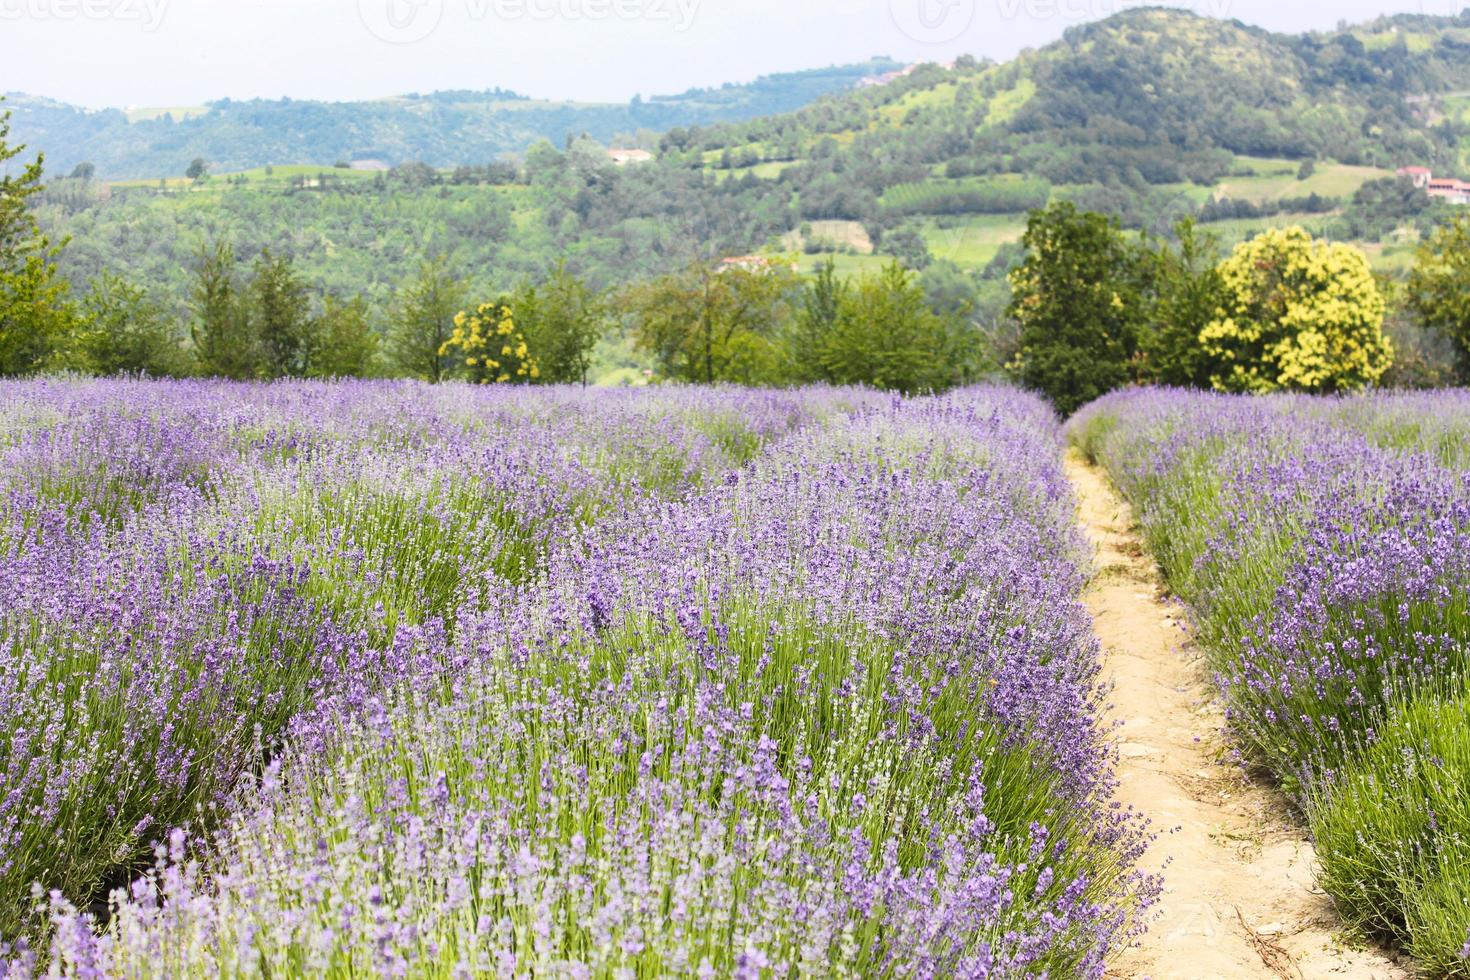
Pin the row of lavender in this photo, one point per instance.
(1324, 547)
(391, 680)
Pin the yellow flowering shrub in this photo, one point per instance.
(488, 347)
(1297, 315)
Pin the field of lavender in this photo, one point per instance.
(384, 679)
(1323, 547)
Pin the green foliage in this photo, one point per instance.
(908, 247)
(343, 341)
(886, 335)
(422, 322)
(823, 300)
(280, 315)
(224, 342)
(1297, 315)
(1423, 357)
(1439, 287)
(563, 320)
(714, 323)
(127, 331)
(1079, 299)
(996, 195)
(197, 169)
(1382, 207)
(37, 321)
(1393, 835)
(1187, 294)
(440, 128)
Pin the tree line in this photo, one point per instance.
(1096, 309)
(1091, 308)
(753, 321)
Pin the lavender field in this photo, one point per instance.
(1323, 549)
(382, 679)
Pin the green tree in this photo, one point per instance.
(197, 170)
(715, 323)
(38, 324)
(1298, 315)
(224, 340)
(563, 321)
(1439, 286)
(423, 321)
(887, 336)
(908, 247)
(280, 315)
(344, 344)
(126, 331)
(1187, 295)
(822, 301)
(1078, 298)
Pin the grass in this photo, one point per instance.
(846, 234)
(1006, 104)
(1334, 180)
(770, 170)
(939, 95)
(848, 265)
(971, 240)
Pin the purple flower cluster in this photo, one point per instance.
(1324, 545)
(409, 681)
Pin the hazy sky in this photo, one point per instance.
(183, 52)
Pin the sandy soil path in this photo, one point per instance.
(1239, 899)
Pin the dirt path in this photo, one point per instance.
(1239, 897)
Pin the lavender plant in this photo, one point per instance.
(1324, 548)
(468, 682)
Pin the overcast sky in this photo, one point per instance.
(183, 52)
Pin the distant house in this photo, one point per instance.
(889, 77)
(623, 157)
(1450, 190)
(1421, 176)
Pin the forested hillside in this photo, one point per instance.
(442, 129)
(1150, 115)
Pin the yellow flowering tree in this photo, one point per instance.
(487, 347)
(1297, 315)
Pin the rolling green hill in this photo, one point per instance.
(1151, 115)
(442, 129)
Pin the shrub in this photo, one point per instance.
(1393, 834)
(1298, 315)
